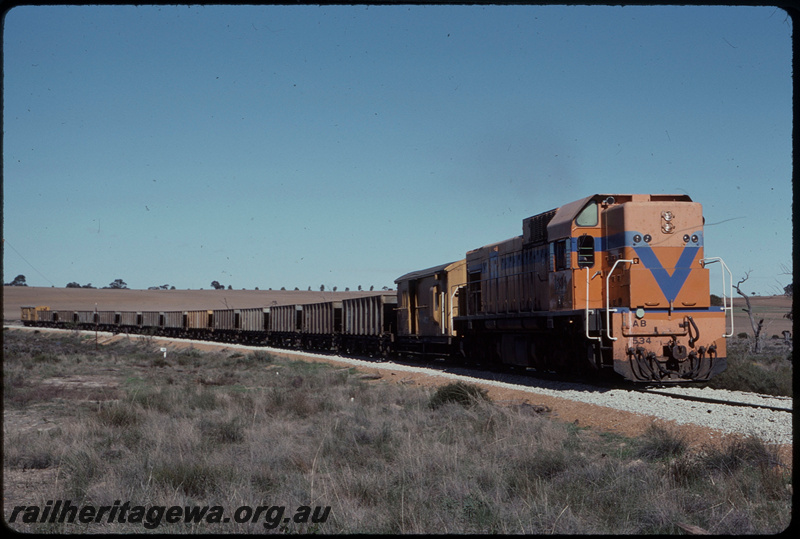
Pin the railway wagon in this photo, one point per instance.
(199, 323)
(107, 320)
(254, 320)
(240, 325)
(85, 318)
(151, 320)
(427, 305)
(321, 325)
(369, 324)
(172, 323)
(285, 324)
(129, 322)
(64, 316)
(609, 282)
(253, 325)
(224, 324)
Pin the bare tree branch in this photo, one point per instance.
(757, 327)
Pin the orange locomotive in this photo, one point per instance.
(607, 282)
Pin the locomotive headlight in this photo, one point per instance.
(695, 238)
(667, 226)
(686, 238)
(640, 313)
(637, 238)
(647, 238)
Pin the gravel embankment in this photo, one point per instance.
(771, 426)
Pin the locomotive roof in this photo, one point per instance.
(422, 273)
(561, 224)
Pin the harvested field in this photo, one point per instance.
(771, 308)
(152, 300)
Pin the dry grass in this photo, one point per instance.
(769, 372)
(241, 428)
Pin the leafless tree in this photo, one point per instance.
(757, 327)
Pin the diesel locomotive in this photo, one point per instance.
(606, 284)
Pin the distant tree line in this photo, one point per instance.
(217, 286)
(118, 283)
(19, 280)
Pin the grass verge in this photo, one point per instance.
(230, 429)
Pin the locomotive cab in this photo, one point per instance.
(645, 289)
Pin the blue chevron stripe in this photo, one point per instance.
(670, 285)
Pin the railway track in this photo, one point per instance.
(741, 399)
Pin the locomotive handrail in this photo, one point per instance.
(727, 301)
(599, 338)
(608, 295)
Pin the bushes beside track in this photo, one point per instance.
(769, 372)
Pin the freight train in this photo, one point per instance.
(606, 284)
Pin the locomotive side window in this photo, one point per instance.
(560, 254)
(585, 251)
(588, 215)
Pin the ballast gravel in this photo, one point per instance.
(771, 426)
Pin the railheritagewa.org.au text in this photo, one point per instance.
(64, 511)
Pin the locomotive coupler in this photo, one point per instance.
(678, 352)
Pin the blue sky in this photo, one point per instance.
(297, 146)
